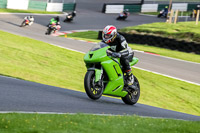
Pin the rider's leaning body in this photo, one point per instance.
(30, 18)
(55, 20)
(120, 49)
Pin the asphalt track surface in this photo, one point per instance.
(18, 95)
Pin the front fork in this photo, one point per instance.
(98, 75)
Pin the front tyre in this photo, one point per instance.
(23, 24)
(133, 95)
(159, 15)
(93, 90)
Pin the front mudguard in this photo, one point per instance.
(114, 86)
(98, 73)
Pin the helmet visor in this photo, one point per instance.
(107, 36)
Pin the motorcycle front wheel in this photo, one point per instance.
(23, 24)
(133, 95)
(93, 90)
(159, 15)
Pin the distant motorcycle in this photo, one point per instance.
(52, 29)
(70, 16)
(25, 23)
(162, 14)
(28, 20)
(122, 16)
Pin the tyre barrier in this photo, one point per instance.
(162, 42)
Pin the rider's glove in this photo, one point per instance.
(116, 55)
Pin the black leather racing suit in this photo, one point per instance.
(120, 45)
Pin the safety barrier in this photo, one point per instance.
(37, 5)
(17, 4)
(149, 8)
(192, 6)
(55, 7)
(180, 6)
(162, 42)
(3, 3)
(69, 7)
(114, 8)
(133, 7)
(118, 7)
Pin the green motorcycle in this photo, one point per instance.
(104, 76)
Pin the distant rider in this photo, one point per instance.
(195, 10)
(30, 18)
(120, 49)
(165, 11)
(54, 20)
(73, 13)
(125, 12)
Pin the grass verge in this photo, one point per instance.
(2, 10)
(82, 123)
(188, 31)
(40, 62)
(92, 36)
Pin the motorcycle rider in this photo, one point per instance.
(165, 11)
(125, 12)
(195, 11)
(30, 18)
(73, 13)
(120, 49)
(54, 20)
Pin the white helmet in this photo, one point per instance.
(109, 33)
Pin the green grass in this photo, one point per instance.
(92, 36)
(81, 123)
(188, 31)
(2, 10)
(40, 62)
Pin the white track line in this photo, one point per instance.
(167, 75)
(24, 112)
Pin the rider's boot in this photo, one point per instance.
(130, 80)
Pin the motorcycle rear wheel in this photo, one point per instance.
(132, 96)
(93, 90)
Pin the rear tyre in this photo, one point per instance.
(133, 95)
(93, 90)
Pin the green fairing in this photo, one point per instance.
(115, 81)
(53, 21)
